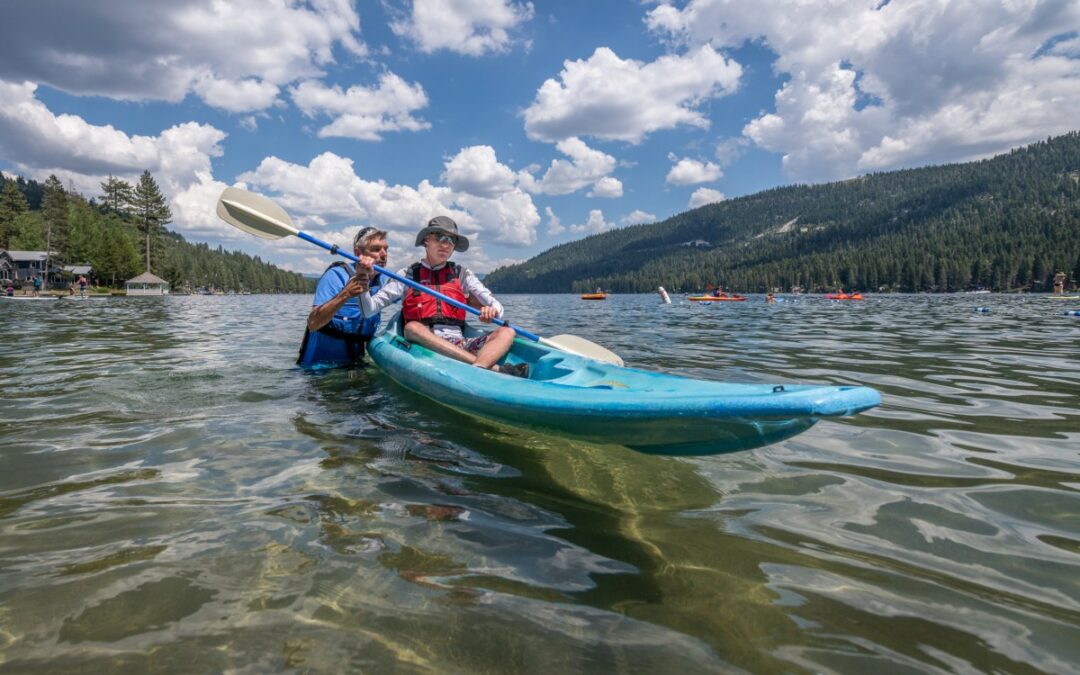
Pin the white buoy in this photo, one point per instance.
(664, 296)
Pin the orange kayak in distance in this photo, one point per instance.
(594, 296)
(843, 296)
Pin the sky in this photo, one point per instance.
(531, 124)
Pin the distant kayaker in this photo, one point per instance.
(433, 323)
(337, 332)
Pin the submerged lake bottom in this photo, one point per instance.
(177, 496)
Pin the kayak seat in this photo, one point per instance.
(548, 368)
(586, 376)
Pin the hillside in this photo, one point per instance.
(1003, 223)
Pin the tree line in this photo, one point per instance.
(121, 233)
(1006, 223)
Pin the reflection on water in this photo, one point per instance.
(176, 496)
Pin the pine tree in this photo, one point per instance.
(151, 211)
(84, 230)
(117, 195)
(116, 258)
(12, 204)
(54, 210)
(28, 232)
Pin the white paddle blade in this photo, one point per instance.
(254, 214)
(582, 347)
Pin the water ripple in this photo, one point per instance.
(176, 496)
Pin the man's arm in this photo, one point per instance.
(322, 314)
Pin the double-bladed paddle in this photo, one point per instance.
(263, 218)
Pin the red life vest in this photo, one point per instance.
(428, 309)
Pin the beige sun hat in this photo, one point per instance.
(444, 225)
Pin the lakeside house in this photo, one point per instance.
(147, 284)
(22, 266)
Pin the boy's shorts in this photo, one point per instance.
(471, 345)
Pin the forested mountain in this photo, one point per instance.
(116, 232)
(1004, 223)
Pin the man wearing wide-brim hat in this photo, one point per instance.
(438, 325)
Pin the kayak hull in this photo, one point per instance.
(713, 298)
(580, 398)
(594, 296)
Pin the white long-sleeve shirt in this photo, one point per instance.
(393, 290)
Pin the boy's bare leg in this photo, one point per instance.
(495, 348)
(422, 335)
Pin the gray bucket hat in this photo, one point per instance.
(444, 225)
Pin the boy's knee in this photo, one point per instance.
(413, 328)
(505, 331)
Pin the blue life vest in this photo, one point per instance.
(340, 342)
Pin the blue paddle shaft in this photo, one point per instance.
(420, 287)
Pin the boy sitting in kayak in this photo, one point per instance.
(434, 324)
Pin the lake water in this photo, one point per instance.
(176, 496)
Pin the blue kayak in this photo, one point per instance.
(585, 399)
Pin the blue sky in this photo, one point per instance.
(531, 124)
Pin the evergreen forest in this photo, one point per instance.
(1007, 223)
(122, 233)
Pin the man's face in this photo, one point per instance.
(377, 248)
(439, 248)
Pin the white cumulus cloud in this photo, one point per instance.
(364, 113)
(637, 217)
(607, 187)
(328, 187)
(555, 226)
(703, 196)
(471, 27)
(876, 85)
(594, 224)
(585, 167)
(234, 55)
(689, 171)
(477, 171)
(611, 98)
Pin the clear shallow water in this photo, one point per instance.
(176, 496)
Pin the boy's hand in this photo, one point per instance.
(487, 314)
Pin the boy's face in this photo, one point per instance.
(438, 248)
